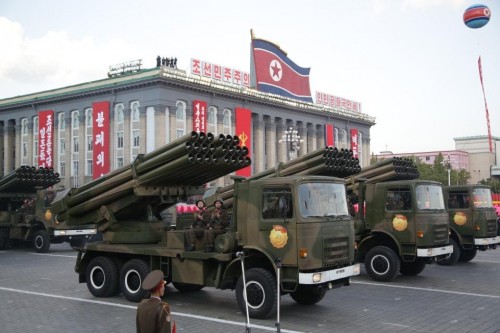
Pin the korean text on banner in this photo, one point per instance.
(354, 142)
(45, 139)
(100, 139)
(199, 116)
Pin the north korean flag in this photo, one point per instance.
(275, 73)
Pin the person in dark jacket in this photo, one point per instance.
(153, 315)
(219, 222)
(200, 226)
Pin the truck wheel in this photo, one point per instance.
(187, 287)
(382, 264)
(131, 276)
(467, 255)
(102, 277)
(77, 243)
(4, 238)
(412, 268)
(453, 258)
(41, 241)
(261, 293)
(308, 295)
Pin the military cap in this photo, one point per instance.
(220, 200)
(152, 279)
(198, 201)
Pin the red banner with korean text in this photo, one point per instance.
(199, 116)
(244, 133)
(45, 138)
(354, 142)
(329, 135)
(100, 139)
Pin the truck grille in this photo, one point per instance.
(441, 233)
(335, 251)
(492, 228)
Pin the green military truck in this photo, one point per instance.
(401, 225)
(298, 224)
(25, 212)
(472, 219)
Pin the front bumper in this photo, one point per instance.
(434, 251)
(330, 275)
(486, 241)
(75, 232)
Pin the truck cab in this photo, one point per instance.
(472, 221)
(403, 227)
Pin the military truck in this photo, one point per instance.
(472, 219)
(297, 224)
(401, 223)
(25, 212)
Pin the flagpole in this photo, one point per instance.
(241, 256)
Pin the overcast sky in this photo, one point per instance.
(412, 64)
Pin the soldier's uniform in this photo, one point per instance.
(219, 221)
(153, 315)
(199, 227)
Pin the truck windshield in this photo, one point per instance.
(430, 197)
(322, 199)
(482, 198)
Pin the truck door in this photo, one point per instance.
(399, 215)
(277, 229)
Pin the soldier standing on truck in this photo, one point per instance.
(219, 221)
(153, 315)
(200, 226)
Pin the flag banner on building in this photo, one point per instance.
(100, 139)
(354, 142)
(273, 72)
(199, 116)
(485, 104)
(329, 135)
(244, 133)
(45, 139)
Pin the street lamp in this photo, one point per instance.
(448, 166)
(478, 175)
(292, 140)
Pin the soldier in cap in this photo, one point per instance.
(219, 221)
(199, 227)
(153, 315)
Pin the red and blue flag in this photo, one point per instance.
(273, 72)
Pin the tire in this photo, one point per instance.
(467, 255)
(453, 258)
(382, 264)
(261, 293)
(412, 268)
(102, 277)
(308, 295)
(131, 276)
(187, 287)
(41, 241)
(4, 238)
(77, 243)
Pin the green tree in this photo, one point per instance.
(493, 183)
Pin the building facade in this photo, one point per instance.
(150, 108)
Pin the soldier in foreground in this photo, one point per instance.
(200, 226)
(153, 315)
(219, 221)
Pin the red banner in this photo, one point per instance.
(329, 135)
(354, 142)
(45, 138)
(100, 139)
(244, 133)
(199, 116)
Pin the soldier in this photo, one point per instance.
(153, 315)
(219, 221)
(199, 227)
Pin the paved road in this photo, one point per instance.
(41, 293)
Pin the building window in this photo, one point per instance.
(88, 118)
(336, 136)
(119, 113)
(134, 107)
(62, 146)
(75, 145)
(61, 122)
(25, 149)
(62, 169)
(119, 139)
(75, 123)
(135, 138)
(119, 162)
(226, 122)
(74, 174)
(89, 143)
(24, 126)
(35, 141)
(212, 119)
(180, 115)
(88, 170)
(427, 158)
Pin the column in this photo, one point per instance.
(311, 140)
(282, 147)
(303, 136)
(9, 146)
(320, 136)
(271, 140)
(258, 143)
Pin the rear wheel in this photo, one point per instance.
(102, 277)
(131, 276)
(453, 258)
(41, 241)
(382, 264)
(308, 295)
(467, 255)
(261, 293)
(412, 268)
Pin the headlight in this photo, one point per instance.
(316, 277)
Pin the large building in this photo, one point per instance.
(151, 107)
